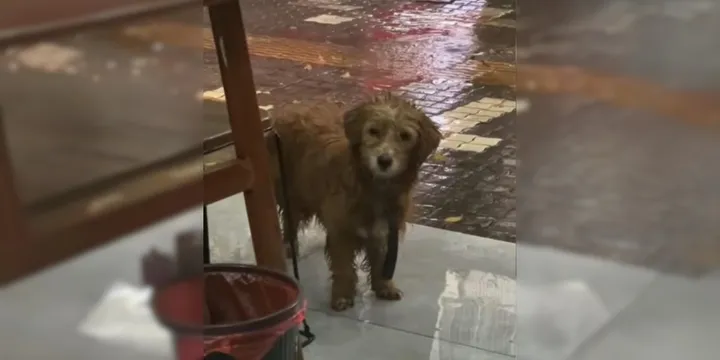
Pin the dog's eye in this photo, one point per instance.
(374, 132)
(405, 136)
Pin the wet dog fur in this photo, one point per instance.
(346, 169)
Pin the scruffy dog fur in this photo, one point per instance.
(347, 168)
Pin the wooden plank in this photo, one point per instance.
(64, 231)
(30, 20)
(247, 132)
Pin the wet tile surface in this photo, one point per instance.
(439, 55)
(458, 288)
(670, 319)
(49, 307)
(569, 303)
(565, 299)
(343, 338)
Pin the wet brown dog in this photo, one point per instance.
(347, 169)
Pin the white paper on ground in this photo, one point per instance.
(123, 317)
(553, 320)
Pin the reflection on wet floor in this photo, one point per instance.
(459, 303)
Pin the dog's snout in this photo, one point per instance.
(384, 161)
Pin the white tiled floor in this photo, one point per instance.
(348, 339)
(459, 305)
(460, 295)
(459, 289)
(672, 318)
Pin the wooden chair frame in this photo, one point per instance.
(30, 241)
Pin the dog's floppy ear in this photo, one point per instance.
(353, 122)
(428, 139)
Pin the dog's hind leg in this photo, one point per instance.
(341, 252)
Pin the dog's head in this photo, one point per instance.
(390, 135)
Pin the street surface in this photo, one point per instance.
(455, 60)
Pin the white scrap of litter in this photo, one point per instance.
(346, 75)
(157, 46)
(48, 57)
(266, 107)
(522, 105)
(308, 67)
(329, 19)
(71, 70)
(217, 94)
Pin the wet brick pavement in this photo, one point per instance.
(474, 192)
(429, 53)
(447, 62)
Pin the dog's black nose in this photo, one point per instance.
(384, 161)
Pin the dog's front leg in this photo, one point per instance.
(376, 251)
(341, 257)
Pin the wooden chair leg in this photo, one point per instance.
(11, 219)
(247, 131)
(13, 230)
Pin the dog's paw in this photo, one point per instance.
(388, 292)
(342, 303)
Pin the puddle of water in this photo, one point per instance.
(415, 42)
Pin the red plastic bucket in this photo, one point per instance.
(239, 310)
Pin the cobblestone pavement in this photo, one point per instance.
(454, 60)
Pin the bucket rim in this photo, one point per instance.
(248, 326)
